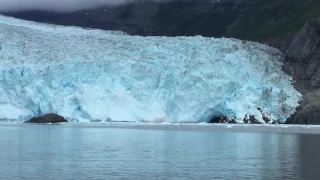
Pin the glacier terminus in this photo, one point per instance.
(88, 75)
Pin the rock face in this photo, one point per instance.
(306, 44)
(222, 119)
(303, 57)
(282, 43)
(302, 62)
(267, 117)
(309, 110)
(250, 119)
(47, 118)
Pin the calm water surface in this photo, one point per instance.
(76, 152)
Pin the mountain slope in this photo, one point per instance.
(256, 20)
(272, 18)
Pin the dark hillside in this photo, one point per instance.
(256, 20)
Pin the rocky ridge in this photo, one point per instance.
(302, 62)
(47, 118)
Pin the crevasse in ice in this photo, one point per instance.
(92, 74)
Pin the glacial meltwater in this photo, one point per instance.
(158, 152)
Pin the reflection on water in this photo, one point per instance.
(309, 160)
(67, 152)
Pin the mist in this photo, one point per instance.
(60, 5)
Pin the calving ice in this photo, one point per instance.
(88, 75)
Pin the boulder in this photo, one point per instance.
(47, 118)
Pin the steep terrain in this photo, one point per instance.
(256, 20)
(302, 62)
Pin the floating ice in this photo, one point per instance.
(88, 75)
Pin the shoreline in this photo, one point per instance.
(197, 127)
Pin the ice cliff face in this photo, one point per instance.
(89, 74)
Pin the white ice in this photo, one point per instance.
(86, 75)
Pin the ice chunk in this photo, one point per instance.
(88, 75)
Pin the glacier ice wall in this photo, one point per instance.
(91, 74)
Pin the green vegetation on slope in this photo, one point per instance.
(250, 20)
(194, 18)
(255, 20)
(272, 18)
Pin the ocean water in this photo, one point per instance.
(169, 152)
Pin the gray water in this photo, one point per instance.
(85, 152)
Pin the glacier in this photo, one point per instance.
(88, 75)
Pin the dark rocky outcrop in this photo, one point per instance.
(47, 118)
(309, 110)
(282, 43)
(267, 117)
(250, 119)
(302, 58)
(306, 44)
(302, 62)
(222, 119)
